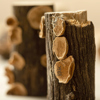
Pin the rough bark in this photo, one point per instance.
(33, 76)
(82, 47)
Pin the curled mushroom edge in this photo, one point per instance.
(42, 27)
(17, 60)
(15, 35)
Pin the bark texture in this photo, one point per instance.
(33, 76)
(82, 47)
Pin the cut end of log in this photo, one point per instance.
(9, 73)
(12, 21)
(15, 35)
(73, 17)
(60, 47)
(17, 89)
(42, 27)
(64, 69)
(59, 27)
(43, 60)
(17, 61)
(35, 14)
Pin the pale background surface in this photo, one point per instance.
(93, 8)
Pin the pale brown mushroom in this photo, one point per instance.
(11, 21)
(43, 60)
(35, 14)
(17, 89)
(9, 73)
(64, 69)
(17, 61)
(59, 27)
(60, 47)
(42, 27)
(15, 35)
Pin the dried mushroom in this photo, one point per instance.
(12, 21)
(42, 27)
(35, 14)
(17, 89)
(17, 61)
(64, 69)
(43, 60)
(60, 47)
(15, 35)
(9, 73)
(59, 27)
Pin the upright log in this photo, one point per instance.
(33, 75)
(80, 36)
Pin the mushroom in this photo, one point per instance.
(17, 89)
(15, 35)
(42, 27)
(59, 27)
(12, 21)
(17, 61)
(34, 15)
(60, 47)
(43, 60)
(64, 69)
(9, 73)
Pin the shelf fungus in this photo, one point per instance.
(15, 35)
(17, 89)
(12, 21)
(59, 26)
(42, 27)
(64, 69)
(60, 47)
(43, 60)
(17, 60)
(34, 15)
(9, 73)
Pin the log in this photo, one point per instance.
(80, 36)
(33, 75)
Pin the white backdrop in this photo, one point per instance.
(92, 6)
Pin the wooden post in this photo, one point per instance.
(81, 46)
(33, 75)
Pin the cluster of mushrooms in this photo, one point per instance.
(15, 38)
(64, 68)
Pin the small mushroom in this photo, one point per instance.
(59, 27)
(42, 27)
(64, 69)
(17, 89)
(15, 35)
(9, 73)
(35, 14)
(60, 47)
(43, 60)
(12, 21)
(17, 61)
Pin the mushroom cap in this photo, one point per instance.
(43, 60)
(59, 27)
(12, 21)
(17, 89)
(34, 15)
(64, 69)
(42, 27)
(9, 73)
(60, 47)
(17, 60)
(15, 35)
